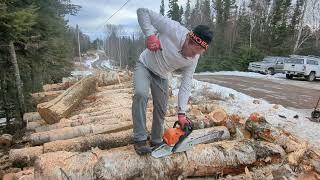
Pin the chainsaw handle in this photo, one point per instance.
(175, 124)
(187, 128)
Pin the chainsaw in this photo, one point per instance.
(177, 139)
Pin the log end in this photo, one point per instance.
(6, 141)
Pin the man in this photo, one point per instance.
(170, 47)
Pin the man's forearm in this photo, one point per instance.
(145, 22)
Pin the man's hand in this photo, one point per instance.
(153, 43)
(183, 120)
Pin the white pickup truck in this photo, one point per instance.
(302, 66)
(269, 65)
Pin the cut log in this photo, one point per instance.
(6, 141)
(261, 129)
(111, 118)
(61, 106)
(218, 116)
(228, 157)
(85, 143)
(59, 86)
(46, 96)
(27, 174)
(25, 156)
(72, 132)
(112, 77)
(31, 116)
(32, 126)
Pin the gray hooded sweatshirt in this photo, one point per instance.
(172, 36)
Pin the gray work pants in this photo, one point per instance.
(143, 80)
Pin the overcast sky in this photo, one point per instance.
(94, 14)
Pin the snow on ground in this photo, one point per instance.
(279, 78)
(238, 103)
(245, 74)
(88, 62)
(107, 64)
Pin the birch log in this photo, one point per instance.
(62, 106)
(31, 116)
(226, 157)
(26, 156)
(58, 86)
(32, 126)
(111, 118)
(46, 96)
(72, 132)
(261, 129)
(113, 77)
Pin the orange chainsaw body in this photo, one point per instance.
(171, 136)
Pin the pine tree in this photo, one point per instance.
(180, 14)
(162, 7)
(187, 13)
(206, 13)
(195, 17)
(15, 23)
(174, 11)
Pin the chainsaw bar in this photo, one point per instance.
(196, 137)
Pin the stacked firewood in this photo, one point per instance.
(86, 133)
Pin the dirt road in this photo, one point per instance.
(274, 92)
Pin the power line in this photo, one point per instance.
(115, 13)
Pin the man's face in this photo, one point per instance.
(190, 48)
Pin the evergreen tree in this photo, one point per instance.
(195, 17)
(180, 14)
(38, 50)
(206, 13)
(187, 14)
(174, 11)
(162, 7)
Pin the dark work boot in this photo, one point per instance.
(142, 147)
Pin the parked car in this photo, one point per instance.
(269, 65)
(302, 66)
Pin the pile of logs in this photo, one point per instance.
(86, 133)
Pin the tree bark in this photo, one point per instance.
(72, 132)
(295, 147)
(18, 79)
(113, 77)
(111, 118)
(26, 156)
(22, 175)
(297, 42)
(32, 126)
(46, 96)
(265, 131)
(226, 157)
(31, 117)
(3, 90)
(62, 106)
(58, 86)
(6, 141)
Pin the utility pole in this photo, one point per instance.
(79, 43)
(119, 52)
